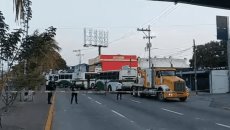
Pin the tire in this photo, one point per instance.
(160, 96)
(183, 99)
(134, 93)
(109, 88)
(92, 86)
(139, 93)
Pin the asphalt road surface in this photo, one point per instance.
(100, 112)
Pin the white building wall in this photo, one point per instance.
(219, 81)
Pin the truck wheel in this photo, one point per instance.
(160, 96)
(134, 91)
(183, 99)
(139, 93)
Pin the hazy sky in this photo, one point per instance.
(175, 26)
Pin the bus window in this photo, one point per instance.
(61, 76)
(70, 77)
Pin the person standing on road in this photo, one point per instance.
(50, 88)
(119, 91)
(74, 89)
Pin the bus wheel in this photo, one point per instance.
(92, 86)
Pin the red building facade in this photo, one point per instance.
(112, 62)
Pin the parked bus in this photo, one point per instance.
(64, 79)
(110, 80)
(86, 80)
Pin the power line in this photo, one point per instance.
(179, 52)
(155, 18)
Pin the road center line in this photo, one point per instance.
(98, 102)
(90, 98)
(227, 126)
(172, 111)
(136, 101)
(118, 114)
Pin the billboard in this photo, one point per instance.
(222, 27)
(95, 37)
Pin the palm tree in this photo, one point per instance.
(19, 9)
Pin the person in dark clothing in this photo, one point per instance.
(74, 89)
(119, 94)
(50, 87)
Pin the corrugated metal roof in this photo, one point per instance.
(163, 62)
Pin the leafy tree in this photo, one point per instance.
(3, 31)
(211, 55)
(42, 54)
(10, 46)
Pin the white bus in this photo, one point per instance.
(110, 80)
(64, 79)
(86, 80)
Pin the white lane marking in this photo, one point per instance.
(227, 126)
(136, 101)
(83, 94)
(226, 108)
(118, 114)
(90, 98)
(172, 111)
(197, 118)
(98, 102)
(132, 121)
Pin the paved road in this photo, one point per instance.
(98, 112)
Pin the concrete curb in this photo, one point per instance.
(49, 120)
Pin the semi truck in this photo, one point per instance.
(160, 82)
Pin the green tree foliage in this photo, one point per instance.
(42, 54)
(3, 28)
(211, 55)
(10, 46)
(39, 49)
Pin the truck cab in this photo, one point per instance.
(160, 82)
(169, 85)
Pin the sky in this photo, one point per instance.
(175, 26)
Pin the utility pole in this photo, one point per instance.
(228, 56)
(79, 54)
(194, 56)
(26, 28)
(148, 45)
